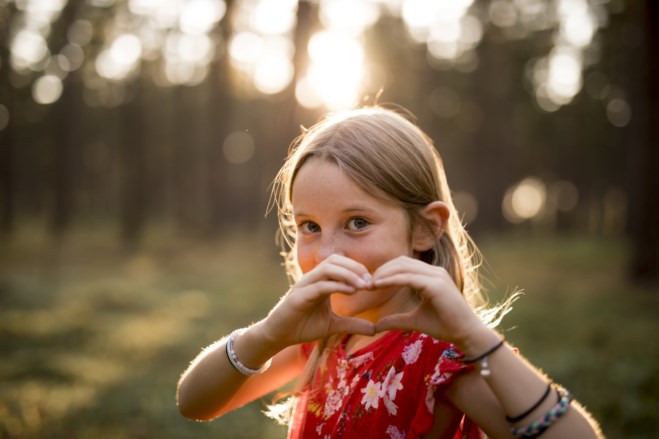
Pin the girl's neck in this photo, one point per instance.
(356, 342)
(405, 300)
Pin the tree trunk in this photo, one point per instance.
(219, 112)
(133, 164)
(644, 156)
(66, 146)
(7, 205)
(494, 83)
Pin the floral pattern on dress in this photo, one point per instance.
(371, 395)
(395, 433)
(386, 389)
(412, 351)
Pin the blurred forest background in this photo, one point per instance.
(139, 138)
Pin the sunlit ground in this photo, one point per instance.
(93, 340)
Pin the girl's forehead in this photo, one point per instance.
(320, 177)
(321, 183)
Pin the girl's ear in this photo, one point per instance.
(426, 233)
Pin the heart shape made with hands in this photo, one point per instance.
(423, 298)
(393, 313)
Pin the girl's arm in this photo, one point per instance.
(211, 387)
(512, 386)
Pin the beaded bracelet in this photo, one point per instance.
(541, 425)
(236, 363)
(485, 370)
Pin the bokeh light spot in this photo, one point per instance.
(564, 76)
(619, 112)
(273, 73)
(306, 96)
(47, 89)
(199, 16)
(80, 32)
(246, 47)
(274, 17)
(121, 58)
(563, 195)
(348, 15)
(336, 70)
(74, 56)
(238, 147)
(28, 50)
(578, 29)
(502, 13)
(524, 200)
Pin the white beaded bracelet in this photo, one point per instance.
(235, 362)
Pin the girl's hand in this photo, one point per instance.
(443, 312)
(304, 313)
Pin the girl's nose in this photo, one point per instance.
(328, 246)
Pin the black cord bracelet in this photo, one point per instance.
(469, 360)
(513, 419)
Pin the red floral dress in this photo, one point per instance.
(385, 390)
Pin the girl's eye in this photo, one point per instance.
(358, 223)
(308, 227)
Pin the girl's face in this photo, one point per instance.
(335, 216)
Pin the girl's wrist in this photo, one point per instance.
(253, 348)
(478, 341)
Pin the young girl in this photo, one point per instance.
(384, 325)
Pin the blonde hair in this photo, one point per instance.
(386, 154)
(389, 156)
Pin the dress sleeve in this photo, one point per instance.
(442, 367)
(448, 364)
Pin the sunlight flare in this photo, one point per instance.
(336, 70)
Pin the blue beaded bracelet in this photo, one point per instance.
(541, 425)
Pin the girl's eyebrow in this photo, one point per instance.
(358, 209)
(349, 209)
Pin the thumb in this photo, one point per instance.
(405, 322)
(354, 325)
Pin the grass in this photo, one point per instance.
(93, 338)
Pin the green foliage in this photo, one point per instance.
(93, 338)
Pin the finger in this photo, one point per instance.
(350, 264)
(417, 281)
(405, 322)
(404, 265)
(353, 325)
(346, 262)
(355, 275)
(325, 288)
